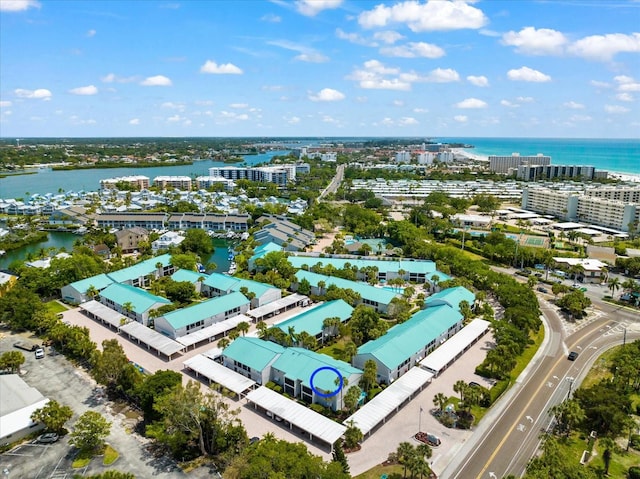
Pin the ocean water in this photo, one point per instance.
(614, 155)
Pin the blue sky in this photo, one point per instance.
(320, 68)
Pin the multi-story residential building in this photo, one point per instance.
(129, 220)
(208, 221)
(128, 239)
(137, 181)
(617, 208)
(403, 157)
(426, 157)
(446, 157)
(507, 164)
(279, 230)
(179, 182)
(167, 240)
(278, 174)
(206, 182)
(540, 172)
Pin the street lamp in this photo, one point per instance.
(571, 380)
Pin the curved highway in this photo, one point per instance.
(508, 436)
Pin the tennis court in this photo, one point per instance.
(535, 241)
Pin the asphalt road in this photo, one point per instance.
(509, 436)
(335, 182)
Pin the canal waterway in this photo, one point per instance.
(59, 240)
(46, 180)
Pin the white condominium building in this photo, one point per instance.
(506, 164)
(138, 181)
(600, 206)
(280, 174)
(180, 182)
(206, 182)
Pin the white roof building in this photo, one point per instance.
(17, 402)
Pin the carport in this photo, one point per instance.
(294, 414)
(152, 339)
(102, 313)
(278, 306)
(389, 401)
(211, 332)
(217, 373)
(445, 355)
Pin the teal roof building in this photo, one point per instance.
(260, 251)
(311, 320)
(378, 298)
(220, 284)
(451, 297)
(407, 343)
(138, 273)
(186, 320)
(188, 275)
(254, 353)
(116, 295)
(76, 292)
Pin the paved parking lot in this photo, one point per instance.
(57, 379)
(375, 449)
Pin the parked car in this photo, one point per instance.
(542, 290)
(47, 438)
(573, 355)
(39, 353)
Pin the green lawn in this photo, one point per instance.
(56, 307)
(392, 472)
(335, 350)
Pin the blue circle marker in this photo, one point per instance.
(319, 392)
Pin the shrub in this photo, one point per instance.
(633, 472)
(635, 441)
(319, 408)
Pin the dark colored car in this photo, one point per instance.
(48, 438)
(542, 290)
(572, 356)
(253, 440)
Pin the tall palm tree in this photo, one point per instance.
(460, 387)
(262, 328)
(243, 327)
(223, 343)
(440, 400)
(404, 452)
(613, 285)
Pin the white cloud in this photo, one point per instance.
(173, 106)
(580, 118)
(271, 18)
(158, 80)
(605, 47)
(311, 57)
(18, 5)
(222, 69)
(626, 83)
(91, 33)
(372, 77)
(327, 94)
(625, 97)
(440, 75)
(311, 8)
(388, 36)
(376, 66)
(175, 118)
(134, 121)
(306, 54)
(420, 110)
(354, 38)
(461, 118)
(294, 120)
(471, 103)
(329, 119)
(481, 81)
(525, 99)
(272, 87)
(84, 90)
(407, 120)
(536, 42)
(509, 104)
(239, 105)
(113, 78)
(398, 103)
(528, 74)
(5, 104)
(572, 105)
(616, 109)
(599, 84)
(413, 50)
(433, 15)
(40, 93)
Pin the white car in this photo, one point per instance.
(575, 285)
(39, 353)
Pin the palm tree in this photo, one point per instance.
(330, 327)
(223, 343)
(440, 400)
(350, 350)
(262, 328)
(613, 285)
(403, 452)
(243, 327)
(460, 387)
(92, 291)
(127, 307)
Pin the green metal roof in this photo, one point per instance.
(253, 352)
(366, 291)
(452, 297)
(201, 311)
(99, 282)
(263, 249)
(141, 269)
(405, 339)
(411, 266)
(188, 275)
(300, 364)
(125, 293)
(311, 320)
(225, 282)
